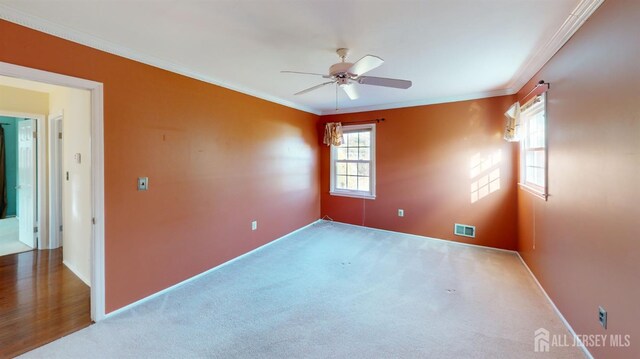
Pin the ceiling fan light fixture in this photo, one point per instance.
(346, 75)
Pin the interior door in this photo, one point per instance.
(27, 181)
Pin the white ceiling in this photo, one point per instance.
(450, 49)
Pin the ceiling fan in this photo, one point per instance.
(346, 75)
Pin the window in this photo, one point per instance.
(353, 163)
(533, 150)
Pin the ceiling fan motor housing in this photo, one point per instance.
(340, 69)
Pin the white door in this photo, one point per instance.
(27, 181)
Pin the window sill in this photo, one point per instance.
(352, 195)
(534, 191)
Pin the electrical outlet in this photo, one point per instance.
(602, 317)
(401, 213)
(143, 183)
(254, 225)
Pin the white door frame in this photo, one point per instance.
(41, 189)
(97, 170)
(55, 181)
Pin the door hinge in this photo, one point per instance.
(67, 175)
(35, 135)
(60, 135)
(93, 220)
(60, 228)
(35, 229)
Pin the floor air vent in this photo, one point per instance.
(464, 230)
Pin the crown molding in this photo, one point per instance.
(36, 23)
(429, 101)
(576, 19)
(533, 64)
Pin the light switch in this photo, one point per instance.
(143, 183)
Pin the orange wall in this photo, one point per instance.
(216, 159)
(587, 252)
(423, 167)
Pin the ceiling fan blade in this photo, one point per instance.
(304, 73)
(313, 88)
(382, 81)
(351, 91)
(365, 64)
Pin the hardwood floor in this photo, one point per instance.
(41, 300)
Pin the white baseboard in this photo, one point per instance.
(156, 294)
(553, 305)
(76, 272)
(425, 237)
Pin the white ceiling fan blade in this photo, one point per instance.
(382, 81)
(313, 88)
(304, 73)
(365, 64)
(351, 91)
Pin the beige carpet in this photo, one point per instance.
(9, 243)
(337, 291)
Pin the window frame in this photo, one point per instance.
(371, 194)
(534, 106)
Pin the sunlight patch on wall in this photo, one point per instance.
(485, 175)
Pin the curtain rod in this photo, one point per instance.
(377, 120)
(540, 83)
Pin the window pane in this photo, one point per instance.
(352, 154)
(352, 141)
(363, 184)
(365, 139)
(352, 183)
(341, 182)
(538, 159)
(342, 153)
(364, 154)
(538, 176)
(352, 169)
(341, 168)
(363, 169)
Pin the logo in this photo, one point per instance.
(541, 341)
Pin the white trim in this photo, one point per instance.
(97, 200)
(424, 237)
(191, 279)
(423, 102)
(372, 165)
(43, 190)
(555, 309)
(536, 61)
(533, 191)
(352, 195)
(76, 272)
(21, 18)
(42, 236)
(55, 195)
(97, 169)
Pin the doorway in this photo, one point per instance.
(20, 156)
(92, 159)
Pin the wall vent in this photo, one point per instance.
(464, 230)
